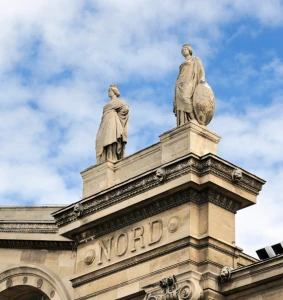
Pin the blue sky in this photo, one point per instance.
(57, 59)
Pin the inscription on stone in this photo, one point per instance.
(106, 250)
(138, 236)
(120, 246)
(155, 232)
(130, 241)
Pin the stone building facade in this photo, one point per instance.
(157, 225)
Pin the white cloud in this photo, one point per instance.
(268, 12)
(35, 182)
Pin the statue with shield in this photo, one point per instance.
(194, 98)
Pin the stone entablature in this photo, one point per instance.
(31, 227)
(28, 219)
(207, 170)
(155, 207)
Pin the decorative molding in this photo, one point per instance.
(36, 244)
(39, 278)
(225, 170)
(156, 207)
(145, 257)
(21, 227)
(208, 164)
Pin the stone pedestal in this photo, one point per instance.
(98, 178)
(189, 138)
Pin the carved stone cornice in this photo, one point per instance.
(208, 164)
(36, 244)
(156, 207)
(225, 170)
(26, 227)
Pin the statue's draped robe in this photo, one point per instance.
(190, 73)
(113, 131)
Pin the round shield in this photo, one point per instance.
(203, 103)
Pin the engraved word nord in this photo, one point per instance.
(125, 243)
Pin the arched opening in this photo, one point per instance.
(31, 283)
(23, 292)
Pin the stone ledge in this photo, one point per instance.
(158, 252)
(28, 227)
(29, 214)
(259, 274)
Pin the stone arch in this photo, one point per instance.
(30, 276)
(23, 292)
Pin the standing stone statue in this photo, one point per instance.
(112, 134)
(194, 98)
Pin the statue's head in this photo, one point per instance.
(189, 47)
(114, 89)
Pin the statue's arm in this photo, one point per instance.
(123, 110)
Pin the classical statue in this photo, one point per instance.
(112, 134)
(194, 98)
